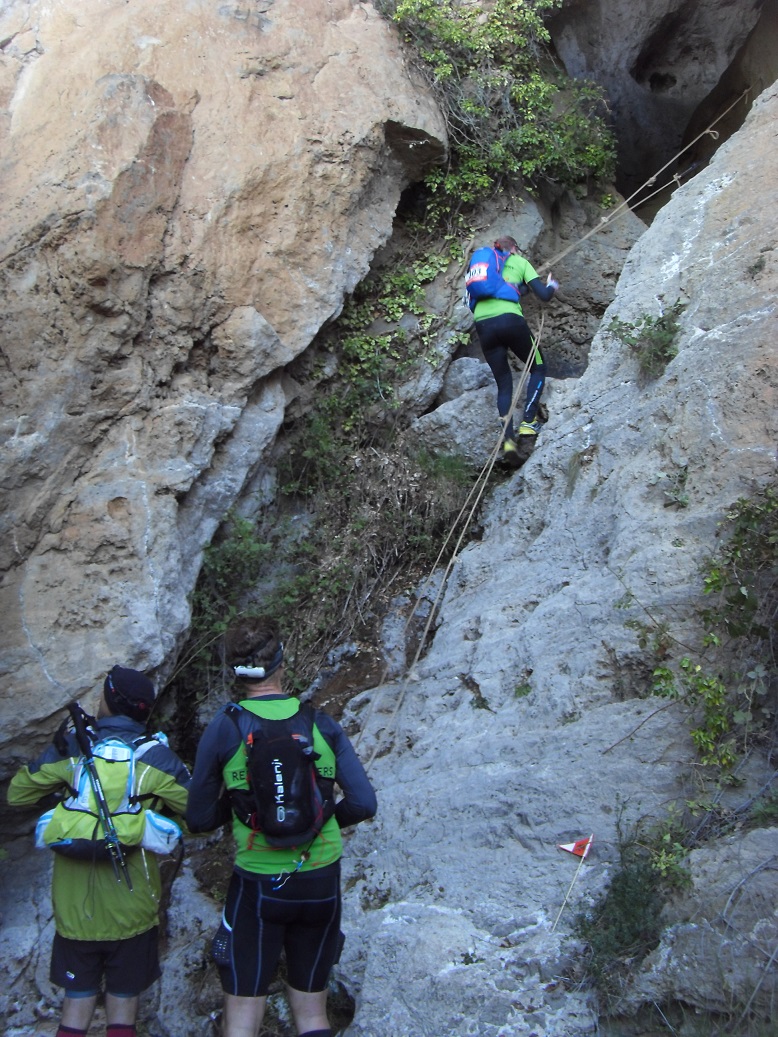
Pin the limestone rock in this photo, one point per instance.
(658, 62)
(508, 738)
(189, 193)
(729, 906)
(156, 204)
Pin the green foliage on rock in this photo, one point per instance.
(510, 113)
(232, 563)
(651, 339)
(729, 680)
(624, 924)
(728, 685)
(373, 345)
(342, 537)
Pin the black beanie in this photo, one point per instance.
(129, 692)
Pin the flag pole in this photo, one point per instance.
(570, 890)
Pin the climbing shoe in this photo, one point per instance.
(530, 428)
(510, 452)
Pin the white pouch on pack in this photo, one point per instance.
(160, 834)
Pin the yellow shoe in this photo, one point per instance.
(510, 452)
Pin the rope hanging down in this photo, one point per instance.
(475, 495)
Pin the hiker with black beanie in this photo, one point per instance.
(284, 893)
(106, 919)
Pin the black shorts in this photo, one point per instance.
(302, 919)
(129, 966)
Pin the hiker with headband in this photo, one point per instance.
(268, 765)
(106, 885)
(496, 279)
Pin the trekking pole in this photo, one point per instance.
(103, 813)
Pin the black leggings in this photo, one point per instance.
(511, 332)
(302, 918)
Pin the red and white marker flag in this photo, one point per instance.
(580, 847)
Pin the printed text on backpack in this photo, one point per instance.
(287, 800)
(484, 279)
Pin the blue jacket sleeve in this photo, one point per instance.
(208, 806)
(359, 799)
(543, 291)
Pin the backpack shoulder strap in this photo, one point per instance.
(236, 714)
(308, 714)
(141, 745)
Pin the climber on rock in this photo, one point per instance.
(495, 286)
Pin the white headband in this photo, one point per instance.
(259, 673)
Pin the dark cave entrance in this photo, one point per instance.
(687, 69)
(684, 143)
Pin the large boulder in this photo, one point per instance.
(189, 192)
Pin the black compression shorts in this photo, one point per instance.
(129, 966)
(301, 918)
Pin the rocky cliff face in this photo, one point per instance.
(513, 734)
(189, 192)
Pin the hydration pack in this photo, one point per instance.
(287, 800)
(73, 828)
(484, 279)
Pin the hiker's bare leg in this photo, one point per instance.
(77, 1012)
(121, 1011)
(242, 1015)
(309, 1010)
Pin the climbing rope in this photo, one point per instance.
(625, 206)
(471, 502)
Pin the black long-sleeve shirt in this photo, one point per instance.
(208, 805)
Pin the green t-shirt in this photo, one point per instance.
(253, 852)
(517, 270)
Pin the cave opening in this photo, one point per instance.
(659, 135)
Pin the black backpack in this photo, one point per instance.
(287, 800)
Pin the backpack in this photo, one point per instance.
(287, 800)
(484, 279)
(73, 828)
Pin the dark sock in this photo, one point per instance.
(69, 1031)
(120, 1030)
(317, 1033)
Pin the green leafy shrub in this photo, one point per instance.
(372, 349)
(364, 519)
(652, 339)
(764, 810)
(509, 112)
(708, 694)
(732, 696)
(742, 577)
(385, 517)
(232, 565)
(624, 925)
